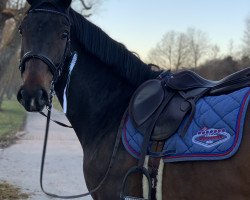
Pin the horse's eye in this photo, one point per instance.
(65, 35)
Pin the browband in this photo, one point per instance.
(49, 11)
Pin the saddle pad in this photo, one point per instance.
(214, 134)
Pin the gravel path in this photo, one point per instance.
(20, 163)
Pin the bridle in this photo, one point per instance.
(56, 71)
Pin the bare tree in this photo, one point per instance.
(166, 47)
(198, 45)
(230, 50)
(155, 57)
(177, 49)
(214, 52)
(181, 51)
(87, 7)
(10, 44)
(246, 38)
(171, 52)
(4, 15)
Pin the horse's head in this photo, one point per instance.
(45, 46)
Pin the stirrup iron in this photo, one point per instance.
(134, 170)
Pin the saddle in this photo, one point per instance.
(159, 106)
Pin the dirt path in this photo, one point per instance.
(20, 163)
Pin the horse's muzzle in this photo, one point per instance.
(33, 101)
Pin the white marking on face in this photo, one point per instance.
(32, 104)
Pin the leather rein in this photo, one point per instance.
(56, 71)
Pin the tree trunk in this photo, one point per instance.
(10, 42)
(3, 15)
(7, 52)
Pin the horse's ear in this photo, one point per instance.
(31, 1)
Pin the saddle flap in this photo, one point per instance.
(145, 101)
(170, 118)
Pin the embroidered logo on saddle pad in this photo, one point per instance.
(210, 137)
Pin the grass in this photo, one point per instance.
(12, 118)
(10, 192)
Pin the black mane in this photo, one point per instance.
(114, 54)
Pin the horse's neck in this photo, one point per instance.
(96, 98)
(98, 94)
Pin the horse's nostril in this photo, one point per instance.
(39, 94)
(33, 101)
(22, 93)
(21, 96)
(41, 97)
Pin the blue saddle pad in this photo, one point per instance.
(214, 134)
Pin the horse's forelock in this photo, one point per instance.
(49, 5)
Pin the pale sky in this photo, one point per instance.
(140, 24)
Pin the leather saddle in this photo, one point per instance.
(159, 106)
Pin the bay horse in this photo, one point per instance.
(102, 82)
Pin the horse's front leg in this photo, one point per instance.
(96, 167)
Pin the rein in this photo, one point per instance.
(49, 107)
(57, 70)
(111, 163)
